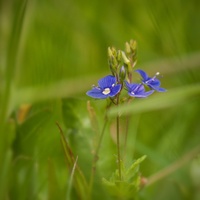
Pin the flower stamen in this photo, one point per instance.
(157, 73)
(106, 91)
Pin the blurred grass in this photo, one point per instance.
(57, 49)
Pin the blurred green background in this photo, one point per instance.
(52, 52)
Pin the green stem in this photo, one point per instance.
(126, 135)
(96, 153)
(118, 143)
(71, 180)
(126, 131)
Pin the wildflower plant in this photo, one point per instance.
(107, 87)
(125, 182)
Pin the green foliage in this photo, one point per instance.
(80, 183)
(174, 97)
(128, 187)
(51, 52)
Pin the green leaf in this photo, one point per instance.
(134, 168)
(12, 56)
(70, 116)
(54, 191)
(158, 101)
(5, 170)
(129, 186)
(80, 184)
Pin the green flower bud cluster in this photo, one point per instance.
(121, 63)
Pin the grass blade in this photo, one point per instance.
(12, 55)
(82, 187)
(71, 179)
(171, 98)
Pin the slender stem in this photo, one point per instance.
(71, 179)
(174, 166)
(95, 158)
(126, 131)
(126, 135)
(118, 143)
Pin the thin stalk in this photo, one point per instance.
(118, 143)
(11, 58)
(173, 167)
(126, 135)
(71, 180)
(126, 131)
(96, 153)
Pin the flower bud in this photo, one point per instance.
(109, 52)
(133, 53)
(112, 61)
(122, 73)
(127, 48)
(125, 59)
(133, 46)
(119, 56)
(127, 64)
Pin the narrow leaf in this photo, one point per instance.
(80, 183)
(171, 98)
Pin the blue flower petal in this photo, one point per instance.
(152, 83)
(131, 86)
(96, 93)
(140, 89)
(160, 89)
(137, 90)
(141, 95)
(115, 90)
(107, 81)
(143, 74)
(144, 94)
(107, 88)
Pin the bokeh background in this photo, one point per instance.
(52, 52)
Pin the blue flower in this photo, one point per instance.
(137, 90)
(152, 83)
(107, 87)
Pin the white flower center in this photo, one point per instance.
(106, 91)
